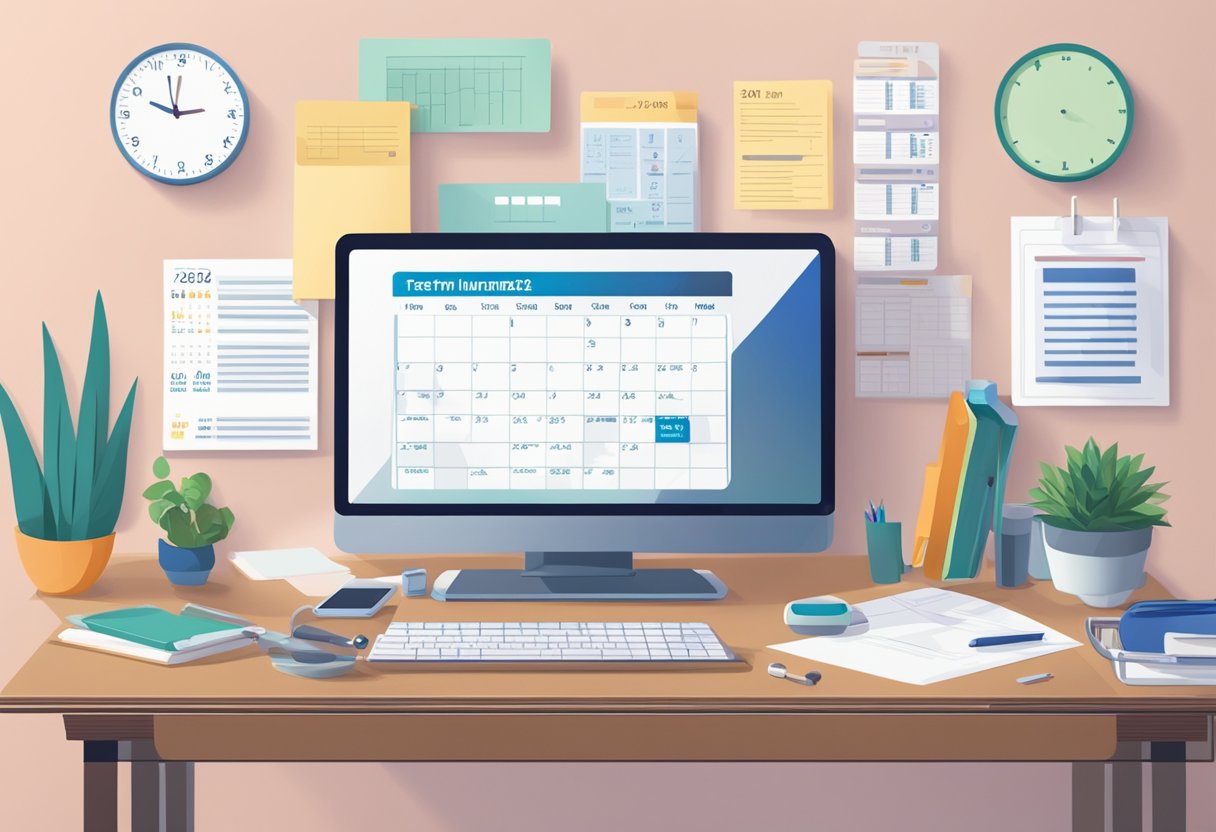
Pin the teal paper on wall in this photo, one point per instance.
(461, 85)
(515, 207)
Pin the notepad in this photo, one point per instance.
(352, 174)
(783, 144)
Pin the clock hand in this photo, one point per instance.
(190, 112)
(163, 107)
(172, 97)
(178, 96)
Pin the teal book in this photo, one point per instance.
(982, 488)
(461, 85)
(154, 627)
(528, 207)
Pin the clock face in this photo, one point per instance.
(179, 114)
(1064, 112)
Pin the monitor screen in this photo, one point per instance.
(562, 378)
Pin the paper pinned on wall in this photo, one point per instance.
(461, 85)
(642, 146)
(913, 335)
(1091, 312)
(783, 145)
(240, 357)
(895, 156)
(523, 207)
(352, 174)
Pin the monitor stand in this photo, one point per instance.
(578, 576)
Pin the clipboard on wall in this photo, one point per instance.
(1090, 309)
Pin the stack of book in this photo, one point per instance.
(154, 635)
(965, 488)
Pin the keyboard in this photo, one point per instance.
(456, 642)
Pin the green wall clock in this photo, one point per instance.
(1064, 112)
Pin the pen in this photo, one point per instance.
(1030, 680)
(992, 641)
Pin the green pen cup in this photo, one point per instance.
(884, 542)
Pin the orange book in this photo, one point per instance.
(941, 490)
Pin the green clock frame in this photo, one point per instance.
(1003, 87)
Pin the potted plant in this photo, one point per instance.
(1097, 521)
(67, 505)
(192, 525)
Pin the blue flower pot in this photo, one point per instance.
(185, 567)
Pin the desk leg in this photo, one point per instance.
(100, 786)
(1169, 786)
(1088, 797)
(162, 793)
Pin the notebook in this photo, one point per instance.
(158, 629)
(121, 647)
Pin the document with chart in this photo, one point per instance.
(642, 146)
(240, 358)
(1090, 311)
(913, 335)
(461, 85)
(533, 376)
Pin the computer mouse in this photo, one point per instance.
(819, 615)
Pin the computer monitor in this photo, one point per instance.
(581, 397)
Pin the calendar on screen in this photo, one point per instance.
(562, 381)
(629, 376)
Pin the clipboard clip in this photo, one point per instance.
(1114, 219)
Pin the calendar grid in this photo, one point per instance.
(561, 402)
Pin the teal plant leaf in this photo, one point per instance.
(35, 517)
(59, 440)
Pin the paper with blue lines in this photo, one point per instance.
(1090, 311)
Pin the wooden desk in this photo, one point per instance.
(237, 707)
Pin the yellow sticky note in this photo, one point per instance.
(783, 145)
(352, 175)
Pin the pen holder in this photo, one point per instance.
(884, 541)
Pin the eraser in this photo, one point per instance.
(413, 582)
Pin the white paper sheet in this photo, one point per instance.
(240, 357)
(1090, 311)
(921, 637)
(274, 564)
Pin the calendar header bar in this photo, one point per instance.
(561, 284)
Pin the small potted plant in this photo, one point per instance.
(1097, 521)
(67, 506)
(192, 525)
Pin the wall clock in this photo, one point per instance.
(179, 114)
(1064, 112)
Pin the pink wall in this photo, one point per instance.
(74, 217)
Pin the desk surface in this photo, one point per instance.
(63, 679)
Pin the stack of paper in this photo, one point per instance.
(924, 636)
(306, 569)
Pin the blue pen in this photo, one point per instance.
(993, 641)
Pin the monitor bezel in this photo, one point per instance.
(801, 241)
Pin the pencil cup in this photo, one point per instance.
(884, 541)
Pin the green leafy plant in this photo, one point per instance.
(1099, 491)
(189, 521)
(76, 493)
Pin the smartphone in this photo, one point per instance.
(356, 599)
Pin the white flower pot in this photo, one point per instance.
(1103, 569)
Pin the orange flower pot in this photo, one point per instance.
(64, 567)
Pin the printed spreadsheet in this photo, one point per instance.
(561, 393)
